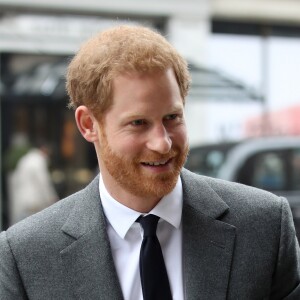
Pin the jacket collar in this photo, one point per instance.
(208, 244)
(88, 261)
(198, 194)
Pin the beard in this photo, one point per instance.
(130, 174)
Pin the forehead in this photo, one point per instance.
(145, 85)
(145, 93)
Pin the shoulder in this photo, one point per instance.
(41, 225)
(226, 189)
(47, 225)
(242, 200)
(260, 218)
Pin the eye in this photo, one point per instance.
(138, 122)
(171, 117)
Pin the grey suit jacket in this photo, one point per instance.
(238, 243)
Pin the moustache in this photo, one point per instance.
(153, 156)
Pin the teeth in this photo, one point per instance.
(156, 163)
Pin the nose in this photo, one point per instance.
(159, 140)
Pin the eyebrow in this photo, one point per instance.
(173, 110)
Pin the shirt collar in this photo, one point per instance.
(121, 217)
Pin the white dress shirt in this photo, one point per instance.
(126, 236)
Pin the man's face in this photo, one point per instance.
(143, 141)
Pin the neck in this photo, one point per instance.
(142, 204)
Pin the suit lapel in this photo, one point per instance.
(208, 243)
(88, 261)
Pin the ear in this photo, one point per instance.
(86, 123)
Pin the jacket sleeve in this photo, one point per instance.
(11, 287)
(286, 278)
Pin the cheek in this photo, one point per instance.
(180, 137)
(126, 147)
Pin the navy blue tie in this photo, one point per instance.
(154, 277)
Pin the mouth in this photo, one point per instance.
(160, 163)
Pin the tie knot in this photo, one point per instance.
(149, 224)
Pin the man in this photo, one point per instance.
(30, 186)
(219, 240)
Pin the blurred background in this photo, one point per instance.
(243, 110)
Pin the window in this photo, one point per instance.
(265, 170)
(273, 170)
(296, 169)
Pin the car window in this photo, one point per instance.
(265, 170)
(296, 169)
(207, 160)
(269, 172)
(274, 170)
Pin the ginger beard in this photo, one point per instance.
(129, 173)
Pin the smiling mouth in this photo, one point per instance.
(156, 163)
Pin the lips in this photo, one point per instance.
(159, 163)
